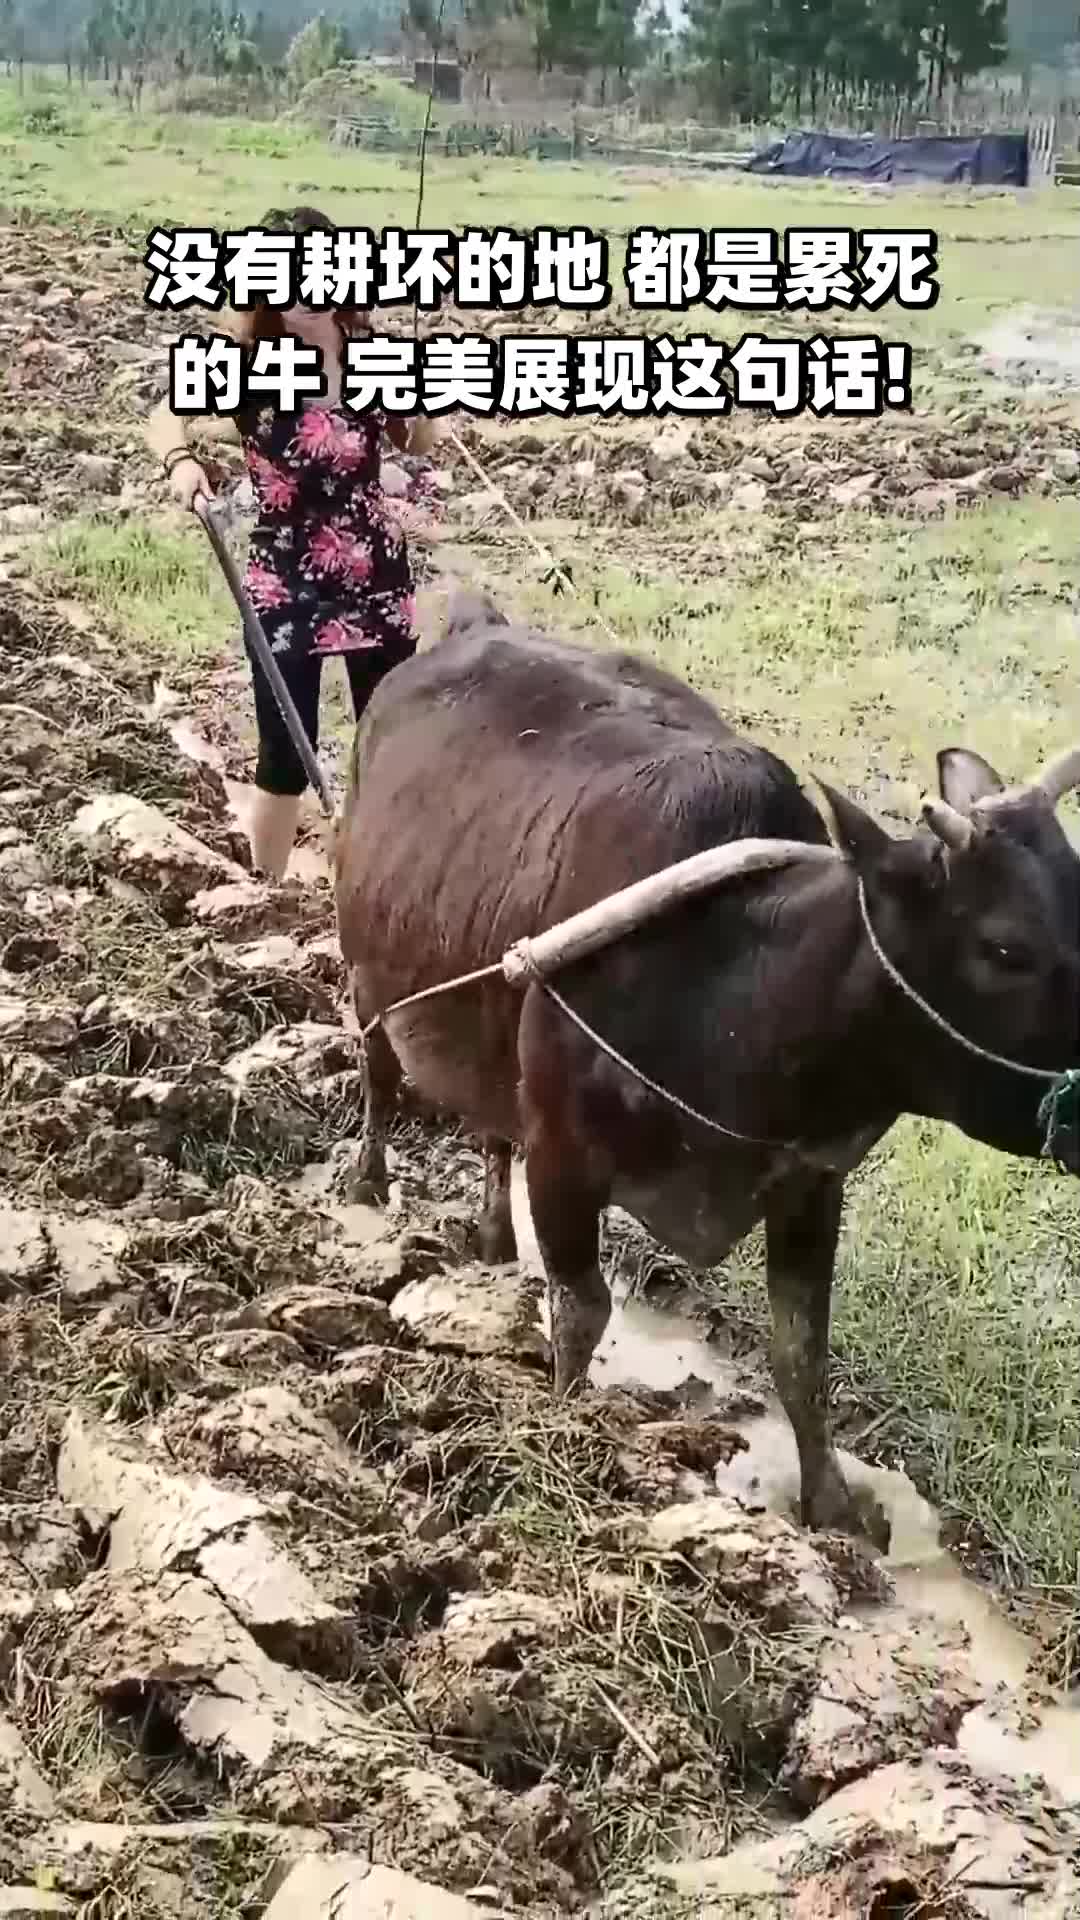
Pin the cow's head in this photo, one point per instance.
(980, 915)
(971, 787)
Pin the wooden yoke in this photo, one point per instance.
(621, 913)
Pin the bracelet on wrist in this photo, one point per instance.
(174, 457)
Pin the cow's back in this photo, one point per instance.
(501, 781)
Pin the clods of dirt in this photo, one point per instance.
(361, 1891)
(475, 1310)
(928, 1836)
(917, 466)
(142, 848)
(304, 1537)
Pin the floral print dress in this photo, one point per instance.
(328, 569)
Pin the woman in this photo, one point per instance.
(328, 570)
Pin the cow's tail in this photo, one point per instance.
(469, 608)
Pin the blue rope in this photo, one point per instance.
(1059, 1113)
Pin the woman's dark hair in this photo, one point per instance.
(296, 220)
(261, 322)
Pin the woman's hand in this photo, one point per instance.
(188, 481)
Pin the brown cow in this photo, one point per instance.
(501, 782)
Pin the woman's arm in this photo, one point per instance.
(166, 435)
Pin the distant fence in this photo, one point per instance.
(704, 148)
(1048, 160)
(462, 138)
(1049, 163)
(1041, 158)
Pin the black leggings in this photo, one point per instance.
(279, 768)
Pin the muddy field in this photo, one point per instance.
(312, 1600)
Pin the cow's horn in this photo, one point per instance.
(1061, 776)
(951, 827)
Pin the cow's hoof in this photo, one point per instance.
(362, 1191)
(838, 1508)
(870, 1520)
(363, 1185)
(496, 1243)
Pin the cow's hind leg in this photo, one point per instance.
(566, 1218)
(802, 1229)
(368, 1179)
(568, 1177)
(496, 1238)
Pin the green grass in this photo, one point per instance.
(958, 1299)
(160, 588)
(952, 633)
(856, 645)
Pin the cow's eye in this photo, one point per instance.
(1012, 958)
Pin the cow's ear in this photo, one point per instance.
(966, 778)
(852, 831)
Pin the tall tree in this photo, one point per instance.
(758, 56)
(323, 43)
(729, 42)
(972, 35)
(618, 45)
(9, 27)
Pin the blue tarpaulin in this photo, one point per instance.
(977, 159)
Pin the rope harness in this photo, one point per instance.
(1059, 1109)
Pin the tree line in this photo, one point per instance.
(798, 57)
(756, 58)
(109, 39)
(218, 38)
(802, 59)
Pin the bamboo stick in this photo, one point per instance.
(608, 920)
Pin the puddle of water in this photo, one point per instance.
(642, 1346)
(653, 1347)
(355, 1224)
(1035, 346)
(658, 1350)
(1052, 1750)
